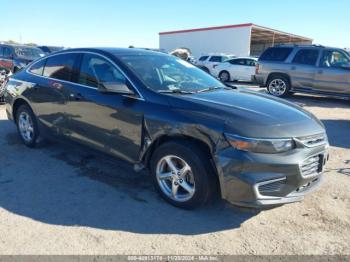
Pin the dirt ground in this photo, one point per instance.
(60, 199)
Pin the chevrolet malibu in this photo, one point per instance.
(195, 135)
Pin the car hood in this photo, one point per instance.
(250, 114)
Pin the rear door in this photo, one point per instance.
(249, 70)
(109, 122)
(333, 75)
(213, 62)
(53, 77)
(237, 69)
(303, 67)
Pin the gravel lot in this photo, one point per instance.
(60, 199)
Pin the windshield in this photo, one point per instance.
(163, 73)
(29, 52)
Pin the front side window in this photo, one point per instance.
(168, 73)
(38, 68)
(306, 57)
(334, 59)
(215, 59)
(60, 66)
(96, 71)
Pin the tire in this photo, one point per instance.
(224, 76)
(278, 86)
(205, 70)
(199, 177)
(27, 126)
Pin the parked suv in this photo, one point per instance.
(308, 69)
(196, 135)
(208, 62)
(15, 57)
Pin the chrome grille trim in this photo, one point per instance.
(312, 166)
(261, 196)
(314, 140)
(272, 186)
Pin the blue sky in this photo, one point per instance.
(74, 23)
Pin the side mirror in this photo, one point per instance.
(113, 87)
(230, 85)
(345, 66)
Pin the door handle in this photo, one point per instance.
(76, 97)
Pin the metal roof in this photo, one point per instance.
(259, 33)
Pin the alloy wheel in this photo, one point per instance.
(277, 87)
(175, 178)
(26, 127)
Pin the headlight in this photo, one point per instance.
(267, 146)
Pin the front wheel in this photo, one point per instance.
(278, 86)
(181, 175)
(27, 126)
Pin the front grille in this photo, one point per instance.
(312, 166)
(315, 140)
(272, 187)
(306, 186)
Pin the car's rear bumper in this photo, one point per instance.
(260, 80)
(262, 180)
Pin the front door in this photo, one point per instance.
(333, 74)
(107, 121)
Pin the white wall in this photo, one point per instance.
(235, 41)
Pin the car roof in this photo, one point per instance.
(113, 50)
(244, 57)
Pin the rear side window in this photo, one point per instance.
(203, 58)
(251, 62)
(60, 66)
(238, 62)
(278, 54)
(306, 57)
(38, 68)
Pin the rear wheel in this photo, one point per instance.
(224, 76)
(205, 69)
(278, 86)
(181, 175)
(27, 125)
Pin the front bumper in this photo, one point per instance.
(263, 180)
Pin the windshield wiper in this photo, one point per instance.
(175, 91)
(212, 88)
